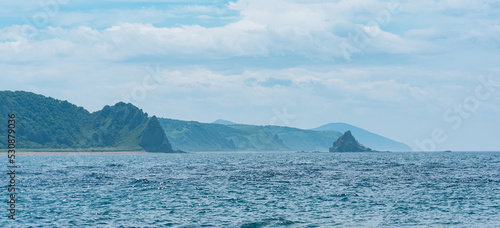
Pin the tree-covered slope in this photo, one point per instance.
(195, 136)
(299, 139)
(44, 123)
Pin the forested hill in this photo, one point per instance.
(44, 123)
(223, 135)
(48, 124)
(196, 136)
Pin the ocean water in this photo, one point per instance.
(258, 190)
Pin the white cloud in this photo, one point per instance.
(268, 54)
(451, 6)
(314, 30)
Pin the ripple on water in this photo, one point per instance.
(260, 190)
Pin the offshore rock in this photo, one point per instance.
(347, 143)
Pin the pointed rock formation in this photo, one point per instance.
(347, 143)
(154, 139)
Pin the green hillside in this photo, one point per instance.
(47, 124)
(44, 123)
(196, 136)
(299, 139)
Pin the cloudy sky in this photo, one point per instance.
(426, 73)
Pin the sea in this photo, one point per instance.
(256, 189)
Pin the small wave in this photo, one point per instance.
(98, 176)
(83, 167)
(254, 225)
(269, 221)
(141, 181)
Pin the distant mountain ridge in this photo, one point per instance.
(225, 122)
(196, 136)
(45, 123)
(223, 135)
(369, 139)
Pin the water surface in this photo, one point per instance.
(258, 190)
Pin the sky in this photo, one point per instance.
(425, 73)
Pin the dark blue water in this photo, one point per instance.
(258, 190)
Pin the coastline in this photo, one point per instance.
(77, 152)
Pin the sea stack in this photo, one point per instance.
(154, 139)
(347, 143)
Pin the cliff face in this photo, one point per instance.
(153, 138)
(347, 143)
(116, 126)
(125, 124)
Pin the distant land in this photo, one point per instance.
(224, 135)
(347, 143)
(48, 124)
(225, 122)
(196, 136)
(369, 139)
